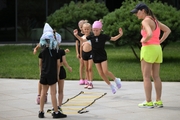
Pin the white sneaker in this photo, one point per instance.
(118, 82)
(113, 89)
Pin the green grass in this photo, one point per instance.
(19, 62)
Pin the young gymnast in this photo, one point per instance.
(49, 65)
(99, 54)
(47, 28)
(62, 76)
(82, 75)
(86, 54)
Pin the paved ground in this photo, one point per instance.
(17, 101)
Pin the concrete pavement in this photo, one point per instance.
(17, 101)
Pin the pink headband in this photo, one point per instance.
(97, 24)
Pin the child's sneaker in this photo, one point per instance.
(81, 82)
(38, 99)
(86, 85)
(41, 114)
(59, 115)
(113, 89)
(146, 104)
(158, 104)
(86, 82)
(118, 82)
(90, 86)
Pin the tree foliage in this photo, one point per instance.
(131, 25)
(70, 14)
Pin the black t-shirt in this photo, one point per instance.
(61, 53)
(98, 46)
(49, 63)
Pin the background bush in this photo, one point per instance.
(68, 16)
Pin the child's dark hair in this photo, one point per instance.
(54, 31)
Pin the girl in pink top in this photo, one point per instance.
(151, 52)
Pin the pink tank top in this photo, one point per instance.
(154, 40)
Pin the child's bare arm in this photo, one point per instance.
(66, 64)
(36, 48)
(117, 36)
(77, 52)
(77, 36)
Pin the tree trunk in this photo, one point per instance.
(137, 57)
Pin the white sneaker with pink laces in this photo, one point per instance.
(86, 82)
(86, 85)
(90, 86)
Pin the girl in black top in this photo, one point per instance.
(82, 75)
(49, 64)
(62, 75)
(99, 54)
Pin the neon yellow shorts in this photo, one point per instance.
(151, 54)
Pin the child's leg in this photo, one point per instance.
(39, 93)
(101, 73)
(81, 71)
(87, 73)
(105, 70)
(103, 76)
(43, 95)
(56, 113)
(90, 72)
(60, 91)
(111, 75)
(53, 97)
(39, 88)
(86, 68)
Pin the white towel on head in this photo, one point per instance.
(58, 37)
(47, 28)
(47, 35)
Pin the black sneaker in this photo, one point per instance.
(41, 114)
(59, 115)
